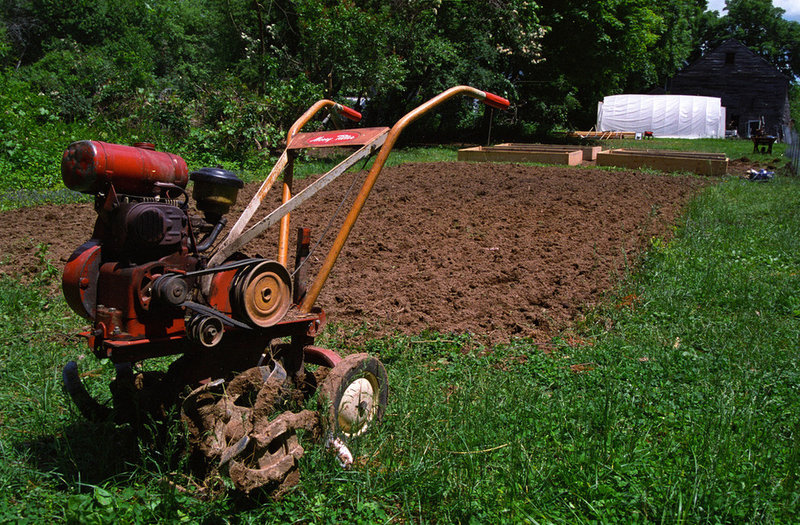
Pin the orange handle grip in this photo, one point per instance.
(494, 101)
(350, 113)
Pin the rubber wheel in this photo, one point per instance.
(355, 392)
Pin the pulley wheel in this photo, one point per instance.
(264, 294)
(207, 331)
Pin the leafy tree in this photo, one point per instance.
(344, 47)
(227, 77)
(593, 49)
(682, 23)
(5, 47)
(445, 43)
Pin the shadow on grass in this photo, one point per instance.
(92, 453)
(85, 452)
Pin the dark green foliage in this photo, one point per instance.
(28, 118)
(221, 81)
(593, 49)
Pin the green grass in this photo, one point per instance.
(679, 401)
(24, 198)
(30, 193)
(28, 190)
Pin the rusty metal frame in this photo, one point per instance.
(291, 203)
(238, 237)
(316, 287)
(284, 162)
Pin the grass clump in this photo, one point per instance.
(700, 369)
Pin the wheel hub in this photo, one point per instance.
(357, 406)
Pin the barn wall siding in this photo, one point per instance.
(749, 86)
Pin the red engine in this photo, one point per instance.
(138, 279)
(91, 166)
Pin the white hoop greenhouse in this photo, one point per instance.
(667, 116)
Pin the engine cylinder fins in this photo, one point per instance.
(261, 294)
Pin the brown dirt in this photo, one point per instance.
(498, 250)
(741, 166)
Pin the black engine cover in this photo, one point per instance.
(142, 230)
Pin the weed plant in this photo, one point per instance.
(22, 198)
(678, 401)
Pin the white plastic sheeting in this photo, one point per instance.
(668, 116)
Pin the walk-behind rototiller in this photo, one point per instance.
(155, 281)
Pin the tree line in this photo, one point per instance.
(225, 78)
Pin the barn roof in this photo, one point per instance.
(757, 62)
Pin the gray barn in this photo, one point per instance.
(750, 87)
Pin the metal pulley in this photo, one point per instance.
(206, 330)
(262, 294)
(170, 289)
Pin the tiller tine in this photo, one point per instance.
(87, 405)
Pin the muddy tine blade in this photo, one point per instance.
(278, 373)
(234, 450)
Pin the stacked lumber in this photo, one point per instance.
(698, 162)
(602, 135)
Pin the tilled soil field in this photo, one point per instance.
(497, 250)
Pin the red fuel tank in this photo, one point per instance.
(88, 166)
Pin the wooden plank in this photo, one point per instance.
(481, 154)
(671, 153)
(589, 152)
(629, 159)
(530, 148)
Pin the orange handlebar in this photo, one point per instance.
(313, 110)
(488, 98)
